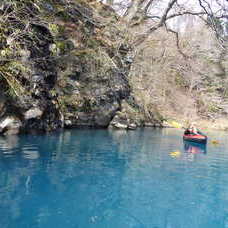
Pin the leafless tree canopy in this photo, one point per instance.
(158, 13)
(186, 78)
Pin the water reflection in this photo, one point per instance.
(69, 166)
(111, 179)
(195, 148)
(8, 143)
(13, 145)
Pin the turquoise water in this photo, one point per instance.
(97, 178)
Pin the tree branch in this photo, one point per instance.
(185, 13)
(177, 41)
(160, 24)
(146, 8)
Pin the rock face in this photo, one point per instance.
(33, 113)
(65, 68)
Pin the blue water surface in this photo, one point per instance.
(113, 179)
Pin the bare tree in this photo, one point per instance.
(138, 12)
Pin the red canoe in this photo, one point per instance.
(195, 138)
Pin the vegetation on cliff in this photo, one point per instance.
(60, 65)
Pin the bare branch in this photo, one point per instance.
(185, 13)
(177, 41)
(132, 10)
(147, 6)
(160, 24)
(213, 20)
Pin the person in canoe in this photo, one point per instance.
(192, 134)
(192, 130)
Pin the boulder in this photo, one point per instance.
(132, 126)
(10, 125)
(120, 121)
(33, 113)
(68, 123)
(107, 112)
(149, 124)
(119, 126)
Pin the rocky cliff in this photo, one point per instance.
(62, 64)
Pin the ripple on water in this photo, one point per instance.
(9, 145)
(30, 152)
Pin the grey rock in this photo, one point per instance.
(149, 124)
(68, 123)
(10, 125)
(157, 125)
(106, 114)
(119, 126)
(37, 78)
(33, 113)
(132, 126)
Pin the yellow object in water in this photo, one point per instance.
(175, 124)
(215, 142)
(175, 154)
